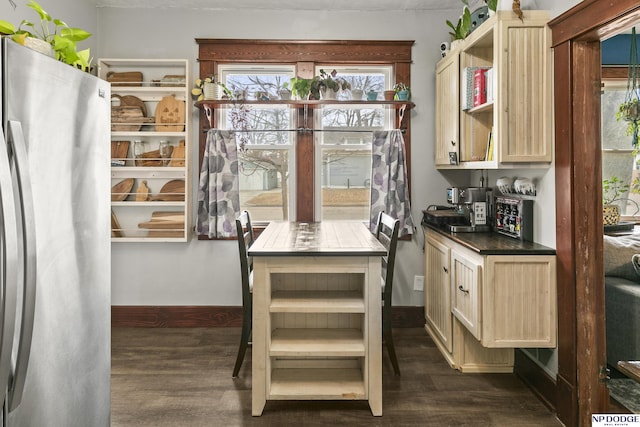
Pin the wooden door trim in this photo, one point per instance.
(576, 37)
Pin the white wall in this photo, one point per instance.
(147, 273)
(206, 272)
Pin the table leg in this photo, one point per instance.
(258, 348)
(374, 314)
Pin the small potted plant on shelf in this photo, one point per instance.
(300, 87)
(403, 93)
(209, 88)
(613, 192)
(284, 92)
(461, 30)
(60, 38)
(327, 85)
(629, 111)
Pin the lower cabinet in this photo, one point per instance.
(478, 308)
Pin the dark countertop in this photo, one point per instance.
(494, 244)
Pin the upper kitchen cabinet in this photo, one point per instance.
(494, 96)
(150, 146)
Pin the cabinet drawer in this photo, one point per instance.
(466, 286)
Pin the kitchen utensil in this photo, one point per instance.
(172, 191)
(121, 190)
(130, 101)
(524, 186)
(119, 150)
(128, 118)
(177, 158)
(165, 224)
(142, 193)
(150, 158)
(170, 115)
(127, 78)
(505, 184)
(115, 226)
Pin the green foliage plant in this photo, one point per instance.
(461, 30)
(62, 38)
(492, 4)
(300, 87)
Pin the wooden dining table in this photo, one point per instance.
(317, 316)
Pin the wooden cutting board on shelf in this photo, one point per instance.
(128, 119)
(177, 157)
(121, 190)
(130, 101)
(165, 224)
(119, 150)
(172, 191)
(116, 230)
(126, 78)
(164, 221)
(170, 115)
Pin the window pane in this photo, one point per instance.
(346, 175)
(344, 145)
(265, 145)
(264, 189)
(618, 159)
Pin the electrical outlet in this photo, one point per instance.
(418, 283)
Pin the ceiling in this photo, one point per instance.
(337, 5)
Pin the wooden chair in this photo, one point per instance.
(245, 240)
(387, 234)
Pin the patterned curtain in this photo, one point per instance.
(389, 185)
(218, 195)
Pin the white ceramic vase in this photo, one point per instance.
(211, 91)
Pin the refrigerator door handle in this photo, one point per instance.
(9, 268)
(21, 164)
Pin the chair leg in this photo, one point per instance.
(244, 343)
(387, 335)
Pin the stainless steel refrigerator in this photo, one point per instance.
(54, 243)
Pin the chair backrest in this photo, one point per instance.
(245, 240)
(387, 234)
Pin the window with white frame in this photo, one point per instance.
(266, 144)
(620, 162)
(342, 141)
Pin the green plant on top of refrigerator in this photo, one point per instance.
(62, 38)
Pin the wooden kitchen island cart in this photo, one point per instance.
(317, 318)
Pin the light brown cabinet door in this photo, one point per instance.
(447, 108)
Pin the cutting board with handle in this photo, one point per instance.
(172, 191)
(170, 115)
(164, 221)
(165, 224)
(130, 101)
(177, 157)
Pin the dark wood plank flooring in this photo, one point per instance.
(182, 377)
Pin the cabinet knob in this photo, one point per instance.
(461, 289)
(445, 269)
(453, 143)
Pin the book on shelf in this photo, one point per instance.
(479, 87)
(466, 89)
(489, 155)
(489, 84)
